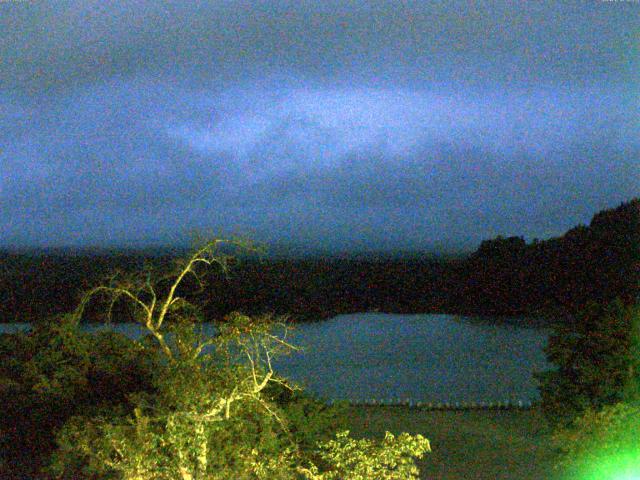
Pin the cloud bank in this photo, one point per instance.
(332, 125)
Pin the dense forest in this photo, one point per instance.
(504, 276)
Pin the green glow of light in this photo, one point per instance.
(618, 467)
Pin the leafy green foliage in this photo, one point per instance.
(309, 420)
(597, 361)
(391, 459)
(56, 371)
(215, 408)
(593, 397)
(205, 415)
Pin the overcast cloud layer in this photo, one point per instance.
(338, 125)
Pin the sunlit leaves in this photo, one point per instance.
(363, 459)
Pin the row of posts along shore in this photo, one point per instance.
(405, 402)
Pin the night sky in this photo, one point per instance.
(331, 124)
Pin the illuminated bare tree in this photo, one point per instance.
(170, 319)
(214, 413)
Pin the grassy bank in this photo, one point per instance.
(468, 444)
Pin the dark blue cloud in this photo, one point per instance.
(339, 124)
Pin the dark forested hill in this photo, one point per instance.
(504, 276)
(598, 263)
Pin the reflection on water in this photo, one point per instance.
(431, 358)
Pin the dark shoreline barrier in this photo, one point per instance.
(401, 402)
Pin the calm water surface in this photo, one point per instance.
(432, 358)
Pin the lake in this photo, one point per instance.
(428, 358)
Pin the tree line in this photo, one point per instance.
(504, 276)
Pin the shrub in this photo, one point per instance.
(596, 360)
(391, 459)
(56, 371)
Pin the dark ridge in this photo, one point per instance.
(503, 277)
